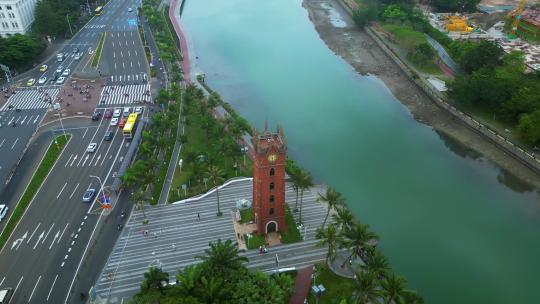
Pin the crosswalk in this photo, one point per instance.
(126, 94)
(31, 99)
(142, 245)
(129, 77)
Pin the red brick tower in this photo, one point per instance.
(269, 181)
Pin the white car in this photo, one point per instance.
(42, 80)
(117, 113)
(77, 57)
(139, 110)
(3, 211)
(59, 69)
(114, 121)
(60, 80)
(91, 148)
(66, 72)
(130, 9)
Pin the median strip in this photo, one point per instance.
(97, 55)
(46, 164)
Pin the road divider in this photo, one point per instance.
(45, 166)
(97, 54)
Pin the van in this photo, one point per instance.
(5, 295)
(127, 111)
(60, 57)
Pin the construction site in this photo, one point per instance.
(513, 24)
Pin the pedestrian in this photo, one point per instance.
(198, 216)
(173, 247)
(155, 235)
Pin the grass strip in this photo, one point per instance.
(246, 216)
(337, 288)
(97, 55)
(255, 241)
(292, 235)
(48, 161)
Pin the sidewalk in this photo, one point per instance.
(301, 285)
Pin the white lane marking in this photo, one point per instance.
(62, 233)
(84, 162)
(13, 146)
(74, 190)
(54, 239)
(69, 249)
(80, 160)
(84, 134)
(61, 190)
(2, 143)
(13, 295)
(52, 286)
(67, 255)
(27, 242)
(47, 234)
(67, 163)
(97, 160)
(39, 239)
(2, 281)
(73, 161)
(62, 265)
(29, 299)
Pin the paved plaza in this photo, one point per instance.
(174, 237)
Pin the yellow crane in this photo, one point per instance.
(517, 15)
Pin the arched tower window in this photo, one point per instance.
(272, 186)
(271, 211)
(272, 199)
(272, 171)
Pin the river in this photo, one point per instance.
(458, 228)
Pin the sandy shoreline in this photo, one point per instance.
(361, 52)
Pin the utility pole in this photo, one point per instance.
(69, 24)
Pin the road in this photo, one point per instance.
(41, 259)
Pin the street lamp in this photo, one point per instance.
(56, 106)
(101, 185)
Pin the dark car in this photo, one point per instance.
(96, 115)
(88, 195)
(109, 136)
(76, 50)
(108, 113)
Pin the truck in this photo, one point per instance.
(5, 295)
(60, 57)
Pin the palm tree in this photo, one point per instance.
(393, 288)
(305, 182)
(331, 238)
(366, 289)
(215, 176)
(222, 257)
(377, 263)
(154, 279)
(293, 179)
(344, 218)
(357, 239)
(333, 198)
(411, 297)
(139, 198)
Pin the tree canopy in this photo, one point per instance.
(51, 16)
(455, 5)
(18, 50)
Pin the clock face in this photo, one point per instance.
(272, 158)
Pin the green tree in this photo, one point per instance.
(139, 199)
(215, 177)
(366, 288)
(343, 218)
(258, 287)
(422, 54)
(529, 126)
(484, 54)
(154, 279)
(331, 238)
(19, 50)
(453, 6)
(393, 287)
(377, 263)
(333, 198)
(395, 13)
(357, 239)
(222, 258)
(305, 181)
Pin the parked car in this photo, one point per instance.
(3, 211)
(89, 195)
(91, 148)
(122, 122)
(66, 72)
(43, 68)
(108, 136)
(108, 113)
(60, 80)
(139, 110)
(117, 112)
(31, 82)
(75, 50)
(114, 121)
(96, 115)
(42, 80)
(59, 69)
(77, 57)
(127, 111)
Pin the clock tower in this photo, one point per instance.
(269, 180)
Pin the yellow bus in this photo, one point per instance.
(130, 126)
(98, 10)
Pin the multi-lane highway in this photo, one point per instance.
(41, 259)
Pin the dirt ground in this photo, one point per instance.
(360, 51)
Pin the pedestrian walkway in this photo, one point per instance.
(126, 94)
(301, 285)
(174, 236)
(33, 98)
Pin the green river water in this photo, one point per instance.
(457, 227)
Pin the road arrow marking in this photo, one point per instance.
(97, 160)
(74, 159)
(39, 239)
(54, 239)
(35, 120)
(17, 243)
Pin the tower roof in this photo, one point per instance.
(262, 142)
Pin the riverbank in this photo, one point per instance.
(337, 29)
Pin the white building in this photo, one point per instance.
(16, 16)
